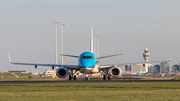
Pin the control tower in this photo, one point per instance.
(146, 55)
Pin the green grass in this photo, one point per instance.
(10, 75)
(21, 76)
(176, 78)
(6, 74)
(163, 91)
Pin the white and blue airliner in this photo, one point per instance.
(88, 63)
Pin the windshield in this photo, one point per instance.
(87, 57)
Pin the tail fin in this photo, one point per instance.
(91, 40)
(9, 58)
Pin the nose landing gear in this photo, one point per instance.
(87, 77)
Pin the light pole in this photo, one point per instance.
(98, 46)
(95, 43)
(91, 40)
(56, 38)
(61, 41)
(97, 38)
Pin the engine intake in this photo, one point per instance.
(62, 72)
(115, 71)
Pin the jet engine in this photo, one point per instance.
(115, 71)
(62, 72)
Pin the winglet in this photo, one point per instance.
(9, 58)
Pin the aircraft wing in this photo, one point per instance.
(50, 65)
(126, 64)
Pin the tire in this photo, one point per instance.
(70, 77)
(86, 78)
(74, 77)
(104, 77)
(109, 78)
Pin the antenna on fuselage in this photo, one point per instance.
(91, 43)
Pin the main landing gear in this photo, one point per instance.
(108, 77)
(71, 75)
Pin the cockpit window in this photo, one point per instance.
(87, 57)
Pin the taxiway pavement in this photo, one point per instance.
(92, 80)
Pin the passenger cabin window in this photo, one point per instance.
(87, 57)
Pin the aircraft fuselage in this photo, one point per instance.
(87, 63)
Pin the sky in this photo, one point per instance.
(27, 30)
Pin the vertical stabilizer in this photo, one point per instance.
(91, 43)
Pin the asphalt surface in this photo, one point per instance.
(92, 80)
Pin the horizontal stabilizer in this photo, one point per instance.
(110, 56)
(70, 55)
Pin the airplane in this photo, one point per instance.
(88, 63)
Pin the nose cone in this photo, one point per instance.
(87, 60)
(90, 63)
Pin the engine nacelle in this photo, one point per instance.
(115, 71)
(62, 72)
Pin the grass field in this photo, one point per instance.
(12, 75)
(18, 77)
(91, 91)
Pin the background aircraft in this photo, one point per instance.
(88, 63)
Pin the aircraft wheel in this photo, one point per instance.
(74, 77)
(104, 77)
(70, 77)
(109, 78)
(86, 78)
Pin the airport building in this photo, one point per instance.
(139, 68)
(155, 69)
(128, 68)
(176, 68)
(135, 68)
(164, 67)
